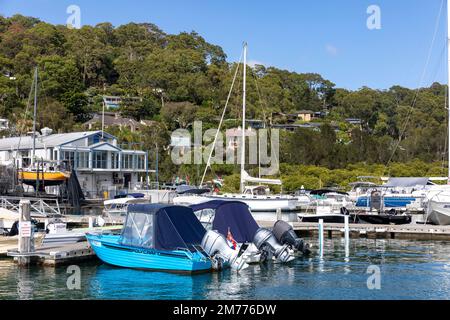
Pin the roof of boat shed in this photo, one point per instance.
(52, 140)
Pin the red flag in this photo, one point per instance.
(230, 238)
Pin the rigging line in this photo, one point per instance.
(26, 111)
(446, 143)
(260, 97)
(433, 75)
(208, 164)
(269, 132)
(402, 132)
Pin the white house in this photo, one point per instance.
(100, 164)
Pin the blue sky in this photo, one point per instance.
(329, 37)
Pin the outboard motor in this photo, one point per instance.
(216, 246)
(285, 234)
(266, 242)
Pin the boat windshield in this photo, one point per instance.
(138, 230)
(162, 227)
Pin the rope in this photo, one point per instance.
(420, 83)
(208, 164)
(26, 112)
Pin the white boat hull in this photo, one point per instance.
(439, 213)
(256, 203)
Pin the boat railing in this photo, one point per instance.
(185, 251)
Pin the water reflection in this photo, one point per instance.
(25, 284)
(409, 270)
(120, 283)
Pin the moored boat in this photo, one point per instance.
(438, 209)
(155, 237)
(233, 220)
(383, 218)
(43, 173)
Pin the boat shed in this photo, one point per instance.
(100, 163)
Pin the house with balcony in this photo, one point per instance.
(101, 165)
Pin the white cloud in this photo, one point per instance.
(253, 63)
(331, 50)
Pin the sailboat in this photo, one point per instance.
(438, 207)
(256, 197)
(41, 173)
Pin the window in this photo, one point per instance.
(94, 139)
(100, 159)
(127, 161)
(141, 161)
(114, 160)
(68, 156)
(82, 160)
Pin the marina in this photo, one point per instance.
(334, 276)
(139, 164)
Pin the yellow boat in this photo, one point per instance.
(45, 174)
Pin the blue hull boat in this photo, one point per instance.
(389, 201)
(155, 237)
(109, 250)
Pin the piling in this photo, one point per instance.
(279, 216)
(346, 236)
(321, 237)
(26, 243)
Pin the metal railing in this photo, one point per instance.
(39, 206)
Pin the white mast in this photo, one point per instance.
(243, 119)
(33, 154)
(448, 84)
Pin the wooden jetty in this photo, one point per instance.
(358, 230)
(58, 255)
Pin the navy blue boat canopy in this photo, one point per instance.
(231, 215)
(162, 227)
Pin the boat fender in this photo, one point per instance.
(285, 234)
(268, 244)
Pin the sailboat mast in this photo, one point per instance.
(243, 118)
(33, 154)
(448, 84)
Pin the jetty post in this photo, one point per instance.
(346, 236)
(321, 238)
(279, 216)
(26, 242)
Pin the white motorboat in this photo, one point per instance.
(258, 198)
(114, 208)
(438, 208)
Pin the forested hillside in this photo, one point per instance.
(192, 77)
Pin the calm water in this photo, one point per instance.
(409, 270)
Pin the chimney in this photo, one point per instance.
(46, 131)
